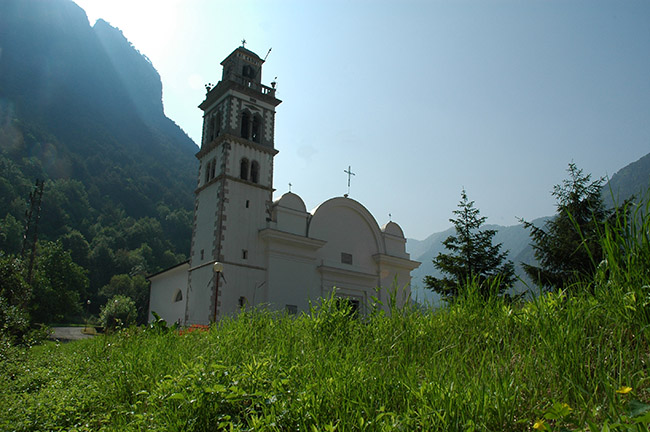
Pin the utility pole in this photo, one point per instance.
(30, 237)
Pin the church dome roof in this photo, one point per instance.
(393, 229)
(291, 201)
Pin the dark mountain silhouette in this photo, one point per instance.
(81, 108)
(631, 180)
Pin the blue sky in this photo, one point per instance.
(420, 98)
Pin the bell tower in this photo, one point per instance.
(234, 190)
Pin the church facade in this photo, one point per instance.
(248, 250)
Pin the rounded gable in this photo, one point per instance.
(393, 229)
(292, 201)
(348, 228)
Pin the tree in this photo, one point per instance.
(569, 246)
(14, 295)
(134, 287)
(59, 285)
(118, 312)
(473, 257)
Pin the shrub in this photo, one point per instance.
(118, 312)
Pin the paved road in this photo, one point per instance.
(65, 334)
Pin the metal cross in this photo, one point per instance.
(290, 187)
(350, 174)
(243, 43)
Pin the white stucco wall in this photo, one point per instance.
(163, 291)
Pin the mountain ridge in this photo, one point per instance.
(631, 180)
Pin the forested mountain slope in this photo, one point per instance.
(82, 109)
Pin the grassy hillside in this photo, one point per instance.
(574, 360)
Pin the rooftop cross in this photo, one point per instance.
(290, 187)
(243, 43)
(350, 174)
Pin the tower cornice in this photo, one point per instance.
(232, 138)
(243, 86)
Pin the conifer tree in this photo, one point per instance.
(568, 247)
(472, 258)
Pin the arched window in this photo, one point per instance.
(255, 172)
(179, 296)
(213, 168)
(217, 126)
(257, 123)
(245, 124)
(243, 169)
(248, 71)
(210, 170)
(211, 129)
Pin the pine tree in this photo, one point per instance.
(472, 258)
(569, 246)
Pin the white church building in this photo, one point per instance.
(248, 250)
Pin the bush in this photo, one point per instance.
(118, 312)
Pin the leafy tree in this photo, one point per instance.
(118, 312)
(134, 287)
(568, 247)
(473, 257)
(59, 285)
(11, 234)
(14, 295)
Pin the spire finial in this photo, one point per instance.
(243, 43)
(350, 174)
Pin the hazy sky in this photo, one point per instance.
(421, 98)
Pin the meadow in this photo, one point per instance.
(576, 359)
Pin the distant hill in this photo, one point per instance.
(514, 238)
(81, 108)
(633, 179)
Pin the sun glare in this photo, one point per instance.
(148, 25)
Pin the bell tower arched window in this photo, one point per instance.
(210, 170)
(211, 127)
(257, 123)
(243, 169)
(255, 172)
(217, 126)
(245, 124)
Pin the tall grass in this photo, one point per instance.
(557, 361)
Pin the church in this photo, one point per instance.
(248, 250)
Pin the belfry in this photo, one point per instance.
(248, 250)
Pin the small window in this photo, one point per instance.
(255, 172)
(292, 309)
(243, 169)
(245, 125)
(179, 296)
(346, 258)
(244, 254)
(202, 254)
(247, 203)
(257, 121)
(242, 302)
(210, 169)
(217, 127)
(211, 127)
